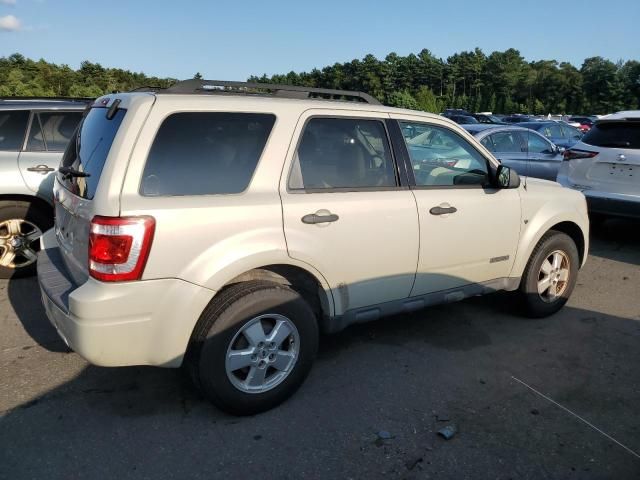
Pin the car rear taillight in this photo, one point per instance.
(573, 154)
(119, 247)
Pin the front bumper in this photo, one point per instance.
(116, 324)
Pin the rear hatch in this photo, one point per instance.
(615, 165)
(77, 182)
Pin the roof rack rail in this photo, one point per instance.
(54, 99)
(249, 88)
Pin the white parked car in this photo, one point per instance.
(605, 166)
(222, 225)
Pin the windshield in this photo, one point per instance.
(88, 149)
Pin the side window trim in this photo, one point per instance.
(394, 158)
(36, 116)
(409, 166)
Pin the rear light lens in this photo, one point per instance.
(572, 154)
(119, 247)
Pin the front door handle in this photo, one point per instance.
(44, 169)
(440, 210)
(319, 218)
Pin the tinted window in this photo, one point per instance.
(88, 149)
(614, 134)
(507, 142)
(536, 144)
(571, 132)
(58, 127)
(487, 143)
(205, 153)
(35, 143)
(343, 153)
(440, 157)
(12, 129)
(555, 131)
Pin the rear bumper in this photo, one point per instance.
(613, 204)
(116, 324)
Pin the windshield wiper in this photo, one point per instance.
(68, 172)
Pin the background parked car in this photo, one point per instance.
(518, 118)
(585, 122)
(462, 119)
(558, 133)
(524, 150)
(33, 135)
(605, 166)
(488, 118)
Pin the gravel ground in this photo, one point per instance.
(372, 405)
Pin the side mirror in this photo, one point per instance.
(560, 150)
(507, 177)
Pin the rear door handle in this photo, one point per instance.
(315, 218)
(41, 169)
(439, 210)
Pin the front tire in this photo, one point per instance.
(550, 275)
(21, 226)
(253, 347)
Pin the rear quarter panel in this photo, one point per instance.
(210, 239)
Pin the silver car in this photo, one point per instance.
(33, 135)
(605, 166)
(526, 151)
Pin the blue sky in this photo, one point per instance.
(229, 40)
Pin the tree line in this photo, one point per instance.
(501, 82)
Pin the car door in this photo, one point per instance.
(346, 211)
(469, 231)
(48, 135)
(509, 147)
(544, 158)
(13, 126)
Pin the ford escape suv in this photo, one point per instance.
(220, 226)
(33, 135)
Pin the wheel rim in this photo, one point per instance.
(553, 277)
(18, 243)
(262, 353)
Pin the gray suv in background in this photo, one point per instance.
(33, 136)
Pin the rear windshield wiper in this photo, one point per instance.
(68, 172)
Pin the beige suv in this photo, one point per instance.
(220, 226)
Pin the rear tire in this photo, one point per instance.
(21, 225)
(243, 324)
(550, 275)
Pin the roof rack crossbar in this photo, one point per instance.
(287, 91)
(54, 99)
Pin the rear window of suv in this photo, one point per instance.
(625, 134)
(88, 149)
(205, 153)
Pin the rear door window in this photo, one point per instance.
(13, 126)
(507, 142)
(51, 131)
(58, 127)
(88, 149)
(205, 153)
(625, 134)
